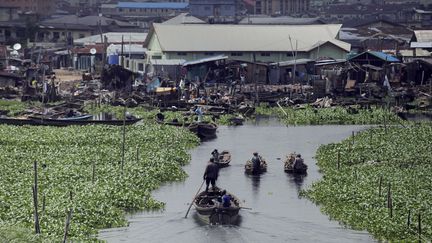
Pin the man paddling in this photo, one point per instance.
(256, 163)
(211, 174)
(298, 163)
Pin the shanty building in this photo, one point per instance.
(249, 43)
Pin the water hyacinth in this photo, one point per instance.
(334, 115)
(86, 161)
(381, 184)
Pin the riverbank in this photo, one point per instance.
(379, 181)
(81, 168)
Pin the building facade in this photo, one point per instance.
(41, 7)
(215, 8)
(259, 43)
(143, 9)
(281, 7)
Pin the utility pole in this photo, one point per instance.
(255, 79)
(122, 57)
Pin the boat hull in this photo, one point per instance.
(210, 212)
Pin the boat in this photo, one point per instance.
(62, 122)
(224, 159)
(74, 118)
(17, 121)
(248, 166)
(288, 165)
(204, 130)
(174, 122)
(210, 211)
(237, 121)
(40, 121)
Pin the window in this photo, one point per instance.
(181, 53)
(209, 53)
(127, 63)
(156, 57)
(207, 8)
(236, 54)
(289, 54)
(140, 66)
(81, 35)
(265, 54)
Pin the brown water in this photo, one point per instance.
(277, 215)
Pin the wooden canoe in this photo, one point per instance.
(63, 122)
(224, 159)
(248, 166)
(204, 130)
(288, 165)
(210, 211)
(236, 121)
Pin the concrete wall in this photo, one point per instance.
(328, 50)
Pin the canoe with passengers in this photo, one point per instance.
(211, 211)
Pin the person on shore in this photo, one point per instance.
(199, 113)
(215, 155)
(298, 163)
(211, 174)
(256, 163)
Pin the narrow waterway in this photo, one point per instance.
(277, 215)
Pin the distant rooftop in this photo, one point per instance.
(279, 20)
(165, 5)
(184, 18)
(87, 21)
(114, 37)
(381, 55)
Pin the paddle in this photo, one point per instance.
(199, 189)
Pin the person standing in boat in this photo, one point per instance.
(256, 163)
(298, 163)
(211, 174)
(215, 155)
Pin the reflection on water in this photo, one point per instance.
(255, 183)
(297, 180)
(277, 215)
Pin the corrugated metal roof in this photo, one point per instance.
(132, 49)
(423, 35)
(292, 62)
(421, 44)
(279, 20)
(165, 5)
(184, 18)
(381, 55)
(207, 59)
(113, 37)
(248, 38)
(168, 62)
(384, 56)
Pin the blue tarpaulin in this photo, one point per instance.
(153, 85)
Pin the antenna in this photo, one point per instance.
(93, 51)
(17, 46)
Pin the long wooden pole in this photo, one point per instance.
(67, 224)
(35, 199)
(199, 189)
(124, 137)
